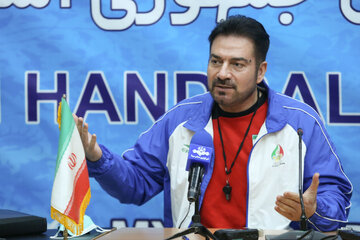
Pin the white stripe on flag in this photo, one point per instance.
(65, 177)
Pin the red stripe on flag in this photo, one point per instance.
(81, 187)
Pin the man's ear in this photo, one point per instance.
(261, 72)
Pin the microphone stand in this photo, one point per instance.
(303, 219)
(196, 226)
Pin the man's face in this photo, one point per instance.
(232, 74)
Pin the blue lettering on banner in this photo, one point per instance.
(297, 83)
(335, 114)
(139, 223)
(34, 96)
(136, 89)
(184, 79)
(96, 96)
(96, 84)
(192, 11)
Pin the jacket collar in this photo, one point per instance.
(201, 114)
(275, 117)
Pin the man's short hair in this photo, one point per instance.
(239, 25)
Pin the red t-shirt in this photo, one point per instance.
(216, 211)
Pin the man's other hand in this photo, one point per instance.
(289, 206)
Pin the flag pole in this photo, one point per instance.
(65, 234)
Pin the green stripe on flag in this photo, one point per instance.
(67, 127)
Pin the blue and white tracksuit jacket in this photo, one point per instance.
(158, 160)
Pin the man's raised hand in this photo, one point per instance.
(92, 150)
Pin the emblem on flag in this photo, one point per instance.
(72, 161)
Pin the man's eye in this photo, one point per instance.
(238, 65)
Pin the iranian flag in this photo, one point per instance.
(71, 190)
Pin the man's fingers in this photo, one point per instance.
(83, 131)
(75, 118)
(288, 207)
(85, 134)
(80, 125)
(92, 150)
(282, 212)
(286, 202)
(284, 207)
(293, 196)
(93, 141)
(286, 211)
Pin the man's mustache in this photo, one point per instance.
(223, 82)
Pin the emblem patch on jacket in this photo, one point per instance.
(277, 156)
(185, 148)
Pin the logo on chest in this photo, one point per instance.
(277, 156)
(185, 148)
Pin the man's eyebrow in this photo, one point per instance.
(214, 56)
(242, 59)
(233, 59)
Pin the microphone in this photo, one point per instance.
(200, 154)
(303, 219)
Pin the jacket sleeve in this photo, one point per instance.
(137, 175)
(335, 189)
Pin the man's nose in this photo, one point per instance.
(224, 72)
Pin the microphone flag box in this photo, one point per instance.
(199, 154)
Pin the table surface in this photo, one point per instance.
(135, 234)
(158, 233)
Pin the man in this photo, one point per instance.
(253, 179)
